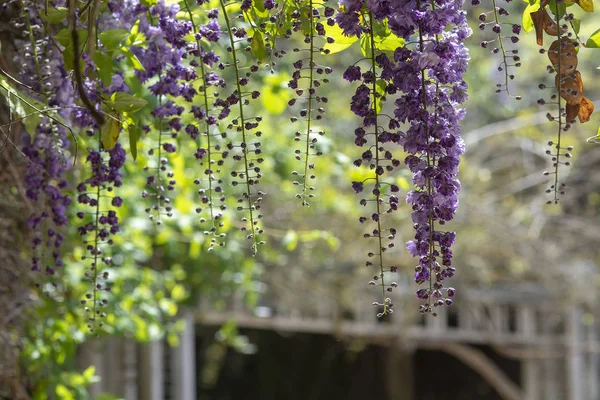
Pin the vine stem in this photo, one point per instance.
(377, 184)
(243, 128)
(158, 175)
(429, 164)
(95, 277)
(310, 99)
(501, 42)
(558, 88)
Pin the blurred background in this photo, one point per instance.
(297, 322)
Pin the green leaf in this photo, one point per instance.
(104, 62)
(134, 130)
(109, 133)
(527, 21)
(389, 43)
(341, 42)
(132, 58)
(365, 46)
(89, 372)
(576, 23)
(55, 15)
(381, 30)
(258, 6)
(586, 5)
(562, 8)
(594, 40)
(112, 38)
(65, 38)
(124, 102)
(64, 393)
(178, 292)
(258, 46)
(274, 100)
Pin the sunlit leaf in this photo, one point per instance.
(341, 42)
(125, 102)
(110, 133)
(258, 46)
(594, 40)
(527, 20)
(586, 5)
(135, 62)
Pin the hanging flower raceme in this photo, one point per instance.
(163, 67)
(99, 223)
(204, 129)
(429, 77)
(47, 148)
(305, 82)
(374, 136)
(248, 150)
(504, 32)
(567, 85)
(98, 220)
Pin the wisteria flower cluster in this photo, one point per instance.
(248, 150)
(503, 31)
(427, 81)
(429, 105)
(376, 132)
(163, 68)
(47, 149)
(207, 115)
(307, 71)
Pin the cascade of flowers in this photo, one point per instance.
(359, 18)
(429, 105)
(426, 76)
(510, 57)
(211, 186)
(568, 86)
(47, 149)
(162, 61)
(250, 173)
(307, 71)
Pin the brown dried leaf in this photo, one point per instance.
(586, 110)
(571, 87)
(568, 56)
(572, 111)
(538, 23)
(549, 25)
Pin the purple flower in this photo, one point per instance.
(357, 186)
(352, 73)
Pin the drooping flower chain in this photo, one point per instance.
(99, 224)
(568, 86)
(312, 112)
(430, 77)
(47, 150)
(162, 59)
(250, 174)
(501, 48)
(211, 185)
(359, 20)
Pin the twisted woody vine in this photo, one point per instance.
(98, 81)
